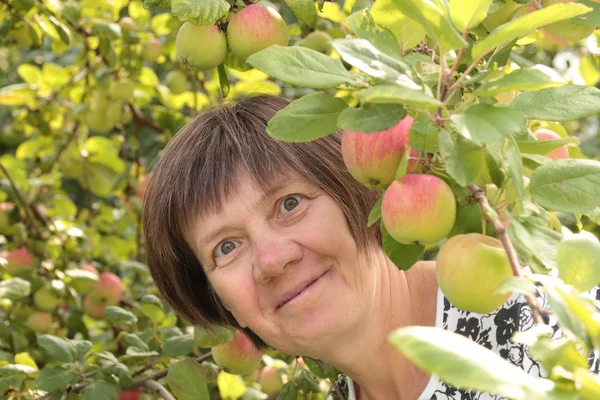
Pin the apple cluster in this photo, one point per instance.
(253, 28)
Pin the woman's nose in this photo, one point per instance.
(273, 255)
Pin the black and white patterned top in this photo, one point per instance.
(492, 331)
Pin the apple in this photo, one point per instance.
(547, 134)
(127, 24)
(17, 261)
(45, 300)
(122, 90)
(176, 82)
(317, 40)
(200, 47)
(131, 394)
(238, 356)
(151, 50)
(418, 208)
(469, 269)
(373, 158)
(254, 28)
(39, 322)
(84, 284)
(109, 290)
(270, 380)
(566, 30)
(93, 309)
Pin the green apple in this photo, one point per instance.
(45, 299)
(270, 380)
(122, 90)
(469, 269)
(317, 40)
(151, 50)
(254, 28)
(419, 209)
(201, 47)
(176, 81)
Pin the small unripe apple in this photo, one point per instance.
(270, 380)
(39, 322)
(45, 300)
(201, 47)
(176, 82)
(122, 90)
(127, 24)
(566, 30)
(373, 158)
(547, 134)
(93, 309)
(469, 269)
(151, 50)
(254, 28)
(109, 290)
(239, 356)
(418, 208)
(317, 40)
(17, 261)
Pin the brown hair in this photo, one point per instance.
(197, 171)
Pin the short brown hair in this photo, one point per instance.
(196, 172)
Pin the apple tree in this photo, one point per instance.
(488, 108)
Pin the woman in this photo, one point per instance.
(272, 238)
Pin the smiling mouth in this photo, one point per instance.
(301, 291)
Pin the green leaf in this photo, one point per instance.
(423, 134)
(578, 261)
(433, 16)
(134, 340)
(223, 80)
(520, 79)
(544, 146)
(119, 370)
(119, 316)
(176, 346)
(468, 13)
(148, 4)
(565, 103)
(567, 185)
(404, 256)
(526, 24)
(363, 55)
(58, 349)
(100, 390)
(304, 10)
(9, 382)
(288, 392)
(56, 378)
(408, 33)
(464, 159)
(461, 362)
(152, 308)
(375, 213)
(302, 67)
(391, 94)
(17, 95)
(15, 289)
(230, 386)
(512, 158)
(218, 336)
(31, 74)
(371, 117)
(199, 12)
(589, 19)
(517, 284)
(364, 27)
(483, 123)
(308, 118)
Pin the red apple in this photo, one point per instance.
(238, 356)
(109, 290)
(131, 394)
(547, 134)
(92, 309)
(39, 322)
(17, 261)
(373, 158)
(418, 208)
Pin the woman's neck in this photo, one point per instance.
(406, 298)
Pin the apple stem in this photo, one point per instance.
(159, 389)
(513, 258)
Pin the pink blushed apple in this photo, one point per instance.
(547, 134)
(238, 356)
(17, 261)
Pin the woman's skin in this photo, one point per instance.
(268, 249)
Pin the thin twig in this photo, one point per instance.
(513, 258)
(159, 389)
(24, 205)
(138, 116)
(333, 383)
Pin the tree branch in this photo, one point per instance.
(488, 212)
(24, 205)
(137, 116)
(159, 389)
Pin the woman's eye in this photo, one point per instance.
(289, 203)
(225, 248)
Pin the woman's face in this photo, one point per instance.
(285, 265)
